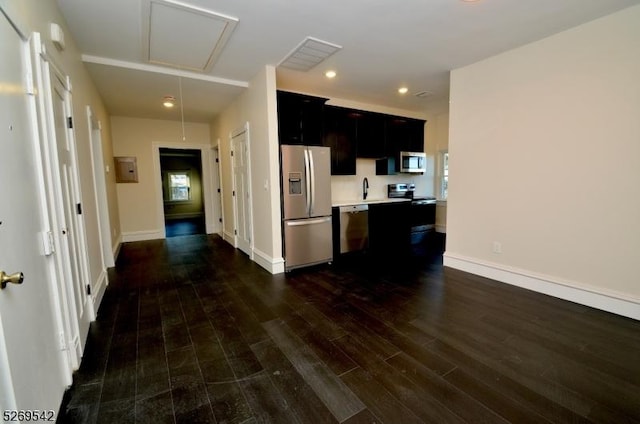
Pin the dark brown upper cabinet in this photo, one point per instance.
(404, 135)
(350, 133)
(300, 118)
(340, 131)
(371, 135)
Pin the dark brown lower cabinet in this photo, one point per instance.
(389, 230)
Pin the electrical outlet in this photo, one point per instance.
(497, 247)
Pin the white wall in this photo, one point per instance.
(35, 16)
(544, 150)
(140, 204)
(437, 143)
(257, 107)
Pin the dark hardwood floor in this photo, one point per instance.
(184, 226)
(190, 330)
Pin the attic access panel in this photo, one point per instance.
(184, 36)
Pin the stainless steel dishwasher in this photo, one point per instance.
(354, 228)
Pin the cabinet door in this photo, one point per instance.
(289, 119)
(404, 134)
(389, 229)
(340, 136)
(371, 135)
(416, 135)
(311, 121)
(300, 118)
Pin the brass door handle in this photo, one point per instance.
(15, 278)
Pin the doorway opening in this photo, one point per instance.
(182, 193)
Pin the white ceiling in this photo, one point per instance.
(384, 45)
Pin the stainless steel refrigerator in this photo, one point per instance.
(306, 205)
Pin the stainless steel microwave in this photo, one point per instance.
(413, 162)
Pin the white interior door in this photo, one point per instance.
(32, 366)
(100, 188)
(242, 189)
(99, 285)
(72, 230)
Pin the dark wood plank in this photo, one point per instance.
(265, 401)
(155, 409)
(550, 339)
(413, 397)
(402, 342)
(301, 398)
(228, 402)
(505, 384)
(363, 417)
(448, 395)
(326, 350)
(382, 404)
(494, 399)
(328, 387)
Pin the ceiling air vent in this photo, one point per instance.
(308, 54)
(184, 36)
(424, 94)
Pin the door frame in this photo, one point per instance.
(107, 259)
(74, 336)
(65, 321)
(205, 152)
(7, 393)
(216, 184)
(234, 134)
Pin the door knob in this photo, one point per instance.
(15, 278)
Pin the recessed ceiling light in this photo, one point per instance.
(403, 90)
(168, 101)
(330, 74)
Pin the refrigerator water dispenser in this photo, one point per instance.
(295, 183)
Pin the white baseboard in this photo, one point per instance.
(229, 238)
(142, 235)
(215, 229)
(99, 289)
(116, 247)
(273, 265)
(609, 301)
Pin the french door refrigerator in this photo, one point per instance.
(306, 205)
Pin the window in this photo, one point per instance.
(179, 186)
(444, 183)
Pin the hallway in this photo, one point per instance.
(192, 331)
(184, 226)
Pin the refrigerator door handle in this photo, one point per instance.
(307, 222)
(313, 183)
(307, 180)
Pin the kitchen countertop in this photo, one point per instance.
(367, 202)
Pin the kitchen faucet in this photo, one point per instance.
(365, 188)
